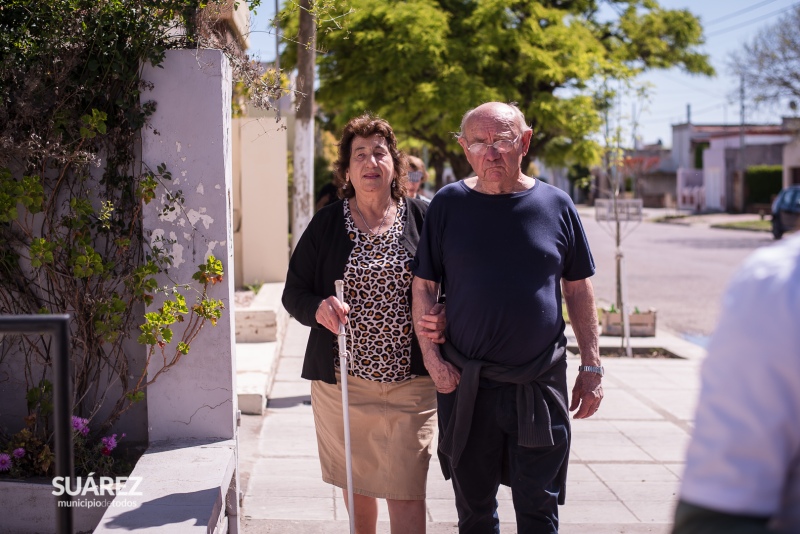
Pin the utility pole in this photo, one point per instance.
(303, 155)
(618, 188)
(277, 39)
(741, 137)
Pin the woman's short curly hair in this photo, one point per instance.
(367, 125)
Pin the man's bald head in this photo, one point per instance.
(498, 111)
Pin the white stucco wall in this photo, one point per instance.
(190, 133)
(261, 192)
(714, 171)
(681, 146)
(714, 185)
(791, 159)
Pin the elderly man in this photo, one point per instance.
(505, 246)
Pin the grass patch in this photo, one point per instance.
(669, 218)
(756, 225)
(255, 287)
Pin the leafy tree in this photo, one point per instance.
(580, 177)
(422, 63)
(770, 63)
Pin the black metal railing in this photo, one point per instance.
(56, 326)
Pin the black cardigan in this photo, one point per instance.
(320, 259)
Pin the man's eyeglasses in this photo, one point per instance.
(502, 146)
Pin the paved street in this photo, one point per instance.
(626, 462)
(679, 269)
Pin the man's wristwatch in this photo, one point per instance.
(591, 369)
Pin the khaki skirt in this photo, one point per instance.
(391, 430)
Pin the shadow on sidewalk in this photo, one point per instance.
(289, 402)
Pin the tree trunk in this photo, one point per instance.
(461, 167)
(526, 162)
(437, 162)
(303, 154)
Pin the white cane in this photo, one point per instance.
(348, 455)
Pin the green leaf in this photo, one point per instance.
(134, 397)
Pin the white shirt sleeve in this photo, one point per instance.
(746, 441)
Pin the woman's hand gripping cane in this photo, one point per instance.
(332, 312)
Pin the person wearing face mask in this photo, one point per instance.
(417, 175)
(368, 239)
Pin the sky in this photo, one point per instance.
(728, 24)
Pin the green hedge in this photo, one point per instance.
(763, 181)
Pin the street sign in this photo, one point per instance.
(619, 217)
(628, 210)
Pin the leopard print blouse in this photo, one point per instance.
(377, 278)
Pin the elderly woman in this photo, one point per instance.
(368, 239)
(417, 175)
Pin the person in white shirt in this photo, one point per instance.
(743, 463)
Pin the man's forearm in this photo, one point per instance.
(445, 376)
(579, 297)
(424, 293)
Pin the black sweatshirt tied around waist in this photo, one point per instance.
(542, 379)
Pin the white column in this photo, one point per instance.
(191, 133)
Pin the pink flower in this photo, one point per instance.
(19, 453)
(109, 443)
(80, 424)
(5, 462)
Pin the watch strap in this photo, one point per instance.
(592, 369)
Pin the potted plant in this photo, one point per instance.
(641, 324)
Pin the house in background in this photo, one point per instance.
(705, 168)
(710, 162)
(650, 173)
(725, 187)
(646, 172)
(791, 153)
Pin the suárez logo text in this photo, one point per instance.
(101, 486)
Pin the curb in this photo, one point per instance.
(663, 339)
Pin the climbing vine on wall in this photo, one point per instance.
(71, 191)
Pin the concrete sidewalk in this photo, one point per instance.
(624, 471)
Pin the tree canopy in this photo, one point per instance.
(421, 64)
(770, 63)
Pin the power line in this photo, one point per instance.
(690, 86)
(708, 108)
(752, 21)
(737, 13)
(672, 116)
